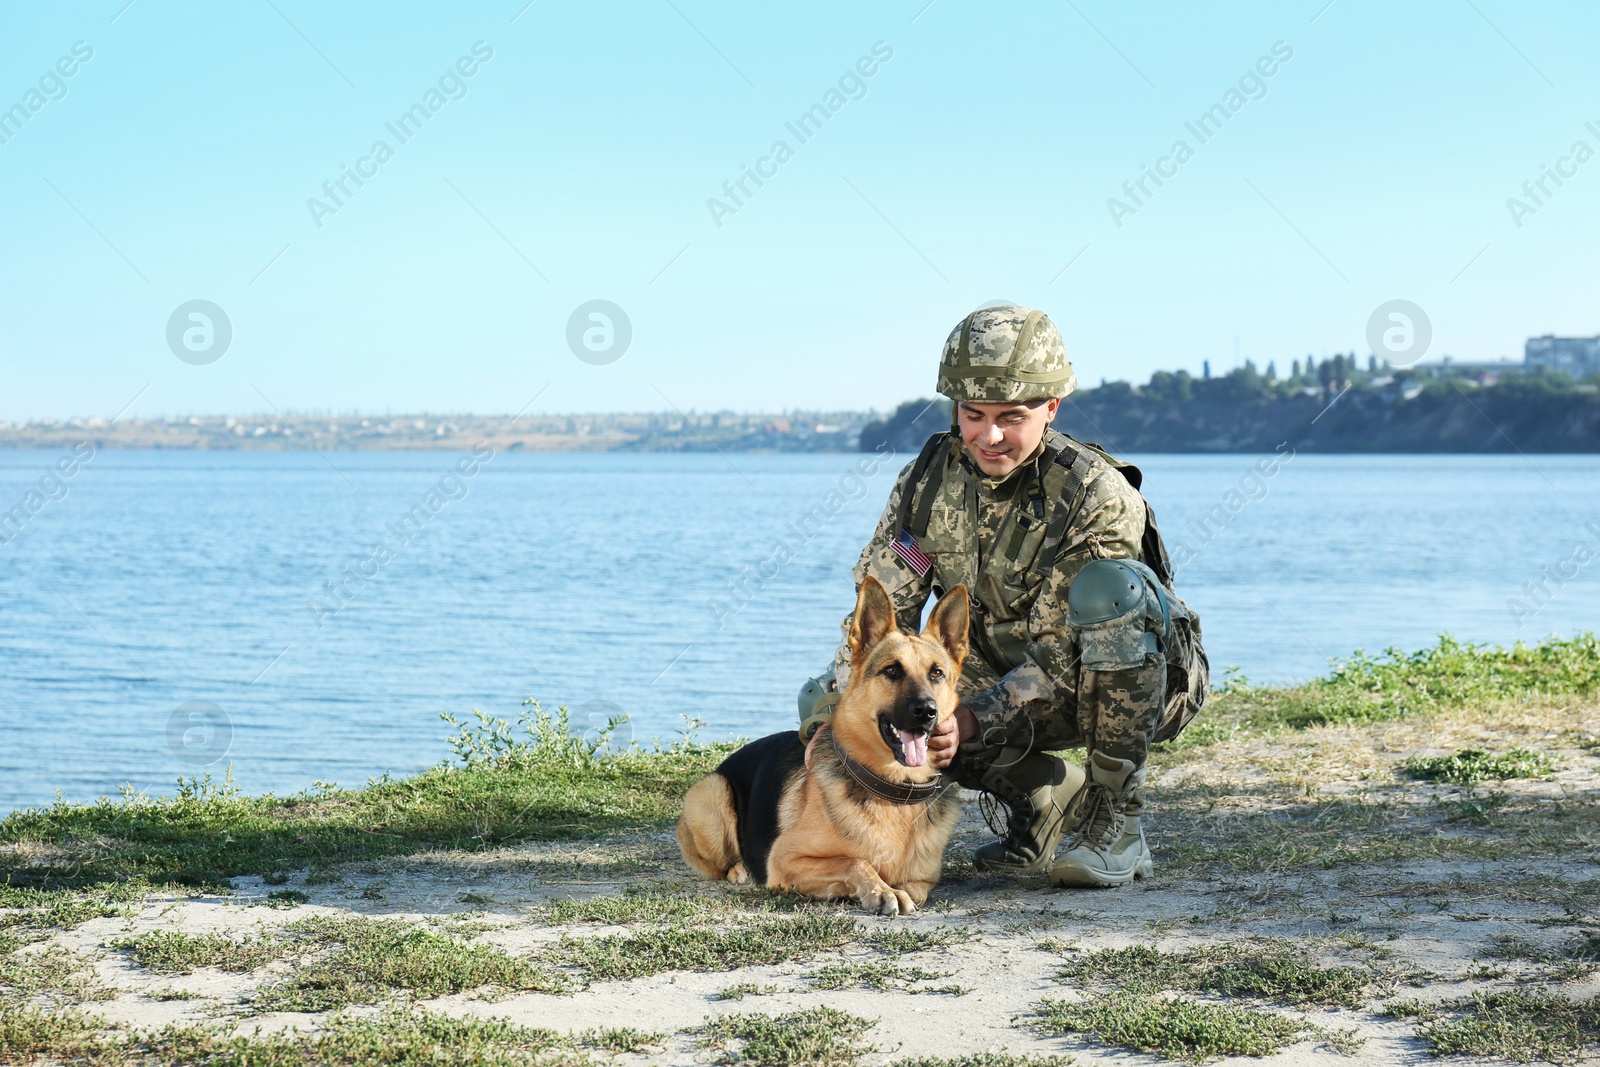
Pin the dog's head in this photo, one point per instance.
(901, 684)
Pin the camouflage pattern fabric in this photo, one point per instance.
(1023, 680)
(1005, 353)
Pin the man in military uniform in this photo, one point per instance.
(1078, 639)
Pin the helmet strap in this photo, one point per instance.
(1025, 334)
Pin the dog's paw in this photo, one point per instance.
(737, 875)
(888, 900)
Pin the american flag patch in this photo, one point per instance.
(906, 548)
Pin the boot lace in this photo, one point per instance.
(1000, 816)
(1101, 822)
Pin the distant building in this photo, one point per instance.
(1485, 372)
(1578, 356)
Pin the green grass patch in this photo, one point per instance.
(881, 975)
(1171, 1027)
(621, 1039)
(900, 938)
(1267, 970)
(12, 940)
(175, 952)
(1575, 957)
(1473, 765)
(394, 1037)
(1519, 1025)
(632, 908)
(172, 994)
(740, 990)
(1349, 830)
(1396, 685)
(44, 909)
(752, 942)
(55, 972)
(548, 785)
(283, 899)
(1203, 731)
(28, 1034)
(994, 1058)
(367, 960)
(409, 1038)
(816, 1037)
(640, 905)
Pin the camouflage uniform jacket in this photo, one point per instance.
(987, 534)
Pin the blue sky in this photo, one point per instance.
(578, 161)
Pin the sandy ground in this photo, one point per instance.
(1424, 924)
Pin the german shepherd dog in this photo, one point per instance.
(858, 813)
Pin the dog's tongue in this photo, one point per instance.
(916, 746)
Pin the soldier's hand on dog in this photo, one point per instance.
(948, 735)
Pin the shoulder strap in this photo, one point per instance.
(1078, 464)
(1032, 488)
(1152, 549)
(916, 504)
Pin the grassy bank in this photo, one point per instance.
(1400, 853)
(537, 781)
(546, 785)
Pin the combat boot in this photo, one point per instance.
(1038, 789)
(1108, 847)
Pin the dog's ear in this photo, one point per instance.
(948, 623)
(874, 617)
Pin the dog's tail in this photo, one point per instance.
(708, 829)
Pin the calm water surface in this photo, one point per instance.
(598, 582)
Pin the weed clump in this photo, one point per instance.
(394, 1037)
(38, 909)
(817, 1037)
(29, 1033)
(900, 939)
(880, 975)
(283, 899)
(1473, 765)
(1514, 1024)
(374, 958)
(59, 974)
(1576, 957)
(740, 990)
(702, 948)
(1172, 1027)
(175, 952)
(629, 908)
(620, 1038)
(993, 1058)
(1258, 969)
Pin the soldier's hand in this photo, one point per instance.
(948, 735)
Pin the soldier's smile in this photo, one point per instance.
(998, 436)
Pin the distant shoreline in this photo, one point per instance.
(798, 432)
(1361, 414)
(1333, 408)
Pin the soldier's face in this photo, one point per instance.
(999, 437)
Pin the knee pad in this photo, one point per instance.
(1120, 614)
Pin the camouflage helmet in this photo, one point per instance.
(1003, 353)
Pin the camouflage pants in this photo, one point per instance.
(1118, 712)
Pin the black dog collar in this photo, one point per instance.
(883, 788)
